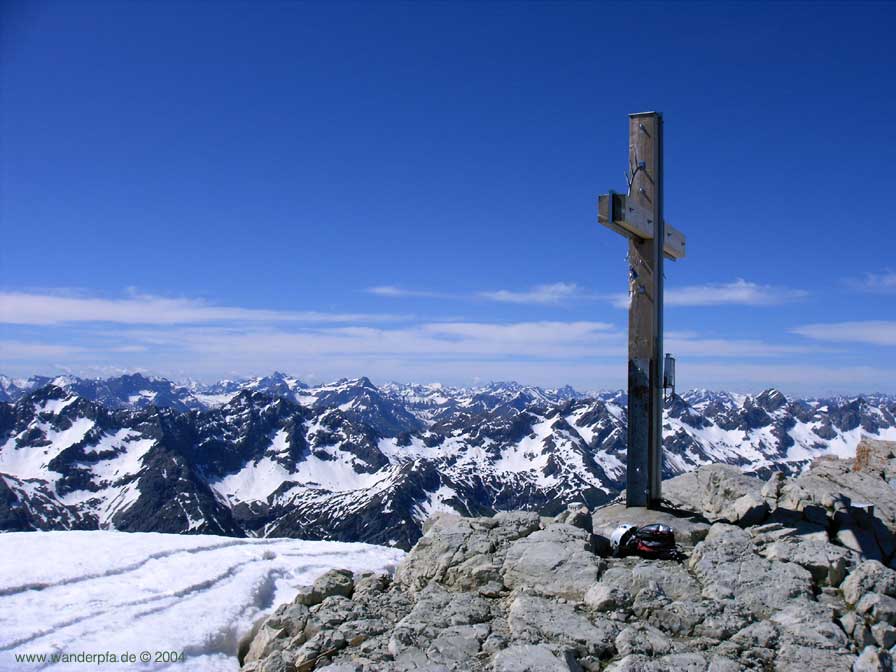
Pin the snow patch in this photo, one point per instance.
(55, 406)
(33, 461)
(115, 591)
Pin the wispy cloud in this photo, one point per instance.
(24, 350)
(802, 378)
(193, 337)
(553, 340)
(589, 354)
(878, 283)
(466, 343)
(546, 294)
(47, 309)
(738, 293)
(401, 292)
(540, 294)
(874, 332)
(692, 346)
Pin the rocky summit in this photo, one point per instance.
(777, 575)
(352, 461)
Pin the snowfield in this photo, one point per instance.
(102, 591)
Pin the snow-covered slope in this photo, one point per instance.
(96, 592)
(352, 461)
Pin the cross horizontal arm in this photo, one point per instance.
(631, 221)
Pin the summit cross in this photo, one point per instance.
(638, 215)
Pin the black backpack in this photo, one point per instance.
(655, 541)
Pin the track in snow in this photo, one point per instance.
(97, 592)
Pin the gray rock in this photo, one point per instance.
(722, 619)
(619, 575)
(787, 526)
(557, 561)
(723, 664)
(855, 531)
(875, 457)
(873, 659)
(816, 514)
(791, 657)
(826, 562)
(831, 480)
(371, 582)
(331, 614)
(283, 628)
(771, 490)
(531, 658)
(538, 620)
(322, 644)
(604, 597)
(577, 515)
(809, 623)
(670, 578)
(880, 608)
(457, 643)
(711, 490)
(761, 635)
(729, 569)
(677, 662)
(267, 640)
(334, 582)
(642, 638)
(750, 509)
(442, 627)
(679, 619)
(451, 541)
(869, 576)
(480, 573)
(856, 629)
(278, 661)
(884, 634)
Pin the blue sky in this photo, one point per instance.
(407, 191)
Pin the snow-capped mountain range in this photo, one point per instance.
(351, 461)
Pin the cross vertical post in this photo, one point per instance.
(655, 468)
(644, 313)
(638, 215)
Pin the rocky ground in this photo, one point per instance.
(785, 575)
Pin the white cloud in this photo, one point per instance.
(46, 309)
(813, 379)
(740, 292)
(540, 294)
(879, 283)
(400, 292)
(23, 350)
(178, 336)
(737, 293)
(874, 332)
(550, 335)
(468, 344)
(552, 340)
(693, 346)
(733, 375)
